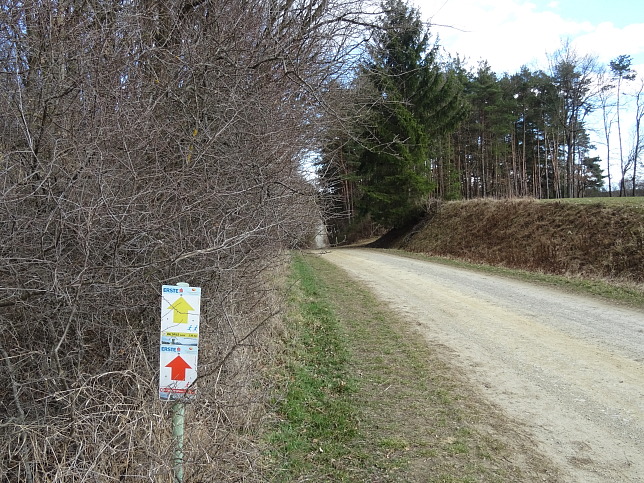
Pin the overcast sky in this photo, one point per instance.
(511, 33)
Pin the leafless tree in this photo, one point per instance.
(607, 105)
(635, 155)
(144, 143)
(573, 76)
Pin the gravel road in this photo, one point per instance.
(569, 368)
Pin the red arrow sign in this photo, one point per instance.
(178, 366)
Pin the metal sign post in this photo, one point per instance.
(179, 348)
(178, 418)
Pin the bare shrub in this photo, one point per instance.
(141, 144)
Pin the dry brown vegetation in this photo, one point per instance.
(593, 239)
(144, 143)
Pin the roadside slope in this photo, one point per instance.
(595, 238)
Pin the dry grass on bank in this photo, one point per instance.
(597, 239)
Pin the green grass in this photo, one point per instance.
(363, 398)
(632, 201)
(316, 415)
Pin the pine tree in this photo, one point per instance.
(621, 70)
(415, 104)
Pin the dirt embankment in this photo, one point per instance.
(594, 239)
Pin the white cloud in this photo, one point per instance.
(510, 33)
(607, 41)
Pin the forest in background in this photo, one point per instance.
(431, 127)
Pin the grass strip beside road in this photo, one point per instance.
(620, 292)
(364, 397)
(315, 412)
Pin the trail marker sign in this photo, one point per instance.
(179, 345)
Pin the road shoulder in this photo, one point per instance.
(417, 417)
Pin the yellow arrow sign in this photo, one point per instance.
(180, 310)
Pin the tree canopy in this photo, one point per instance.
(430, 126)
(413, 104)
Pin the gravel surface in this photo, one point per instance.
(569, 368)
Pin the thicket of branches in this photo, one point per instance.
(144, 143)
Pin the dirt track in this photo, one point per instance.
(571, 369)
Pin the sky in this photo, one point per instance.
(512, 33)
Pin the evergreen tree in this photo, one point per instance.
(416, 103)
(621, 70)
(592, 175)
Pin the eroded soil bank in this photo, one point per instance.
(593, 238)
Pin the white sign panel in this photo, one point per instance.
(179, 345)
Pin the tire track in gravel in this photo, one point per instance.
(569, 368)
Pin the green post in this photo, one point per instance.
(178, 414)
(178, 424)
